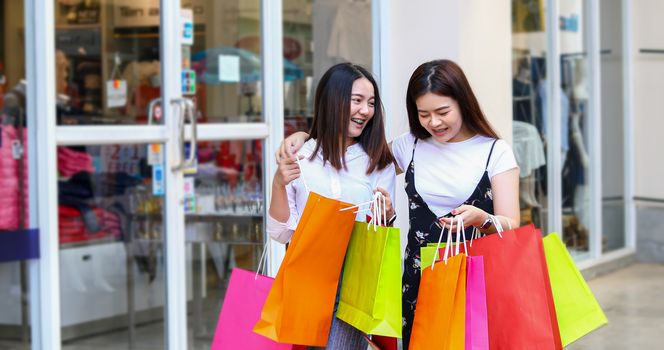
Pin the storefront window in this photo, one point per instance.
(110, 230)
(317, 35)
(109, 63)
(224, 227)
(225, 56)
(575, 127)
(613, 188)
(14, 213)
(530, 100)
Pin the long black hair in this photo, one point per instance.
(332, 117)
(445, 78)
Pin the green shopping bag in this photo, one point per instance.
(577, 309)
(427, 254)
(370, 297)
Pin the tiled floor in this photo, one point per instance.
(633, 299)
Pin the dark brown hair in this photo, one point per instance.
(445, 78)
(332, 117)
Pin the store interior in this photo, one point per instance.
(110, 205)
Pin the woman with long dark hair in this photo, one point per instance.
(346, 157)
(455, 165)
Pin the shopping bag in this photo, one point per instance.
(370, 298)
(299, 307)
(440, 313)
(245, 296)
(379, 342)
(518, 294)
(577, 310)
(477, 333)
(477, 329)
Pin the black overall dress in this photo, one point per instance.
(424, 229)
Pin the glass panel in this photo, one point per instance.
(111, 252)
(224, 227)
(226, 58)
(575, 127)
(530, 104)
(613, 194)
(317, 35)
(107, 60)
(14, 290)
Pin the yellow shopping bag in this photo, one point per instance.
(370, 297)
(577, 310)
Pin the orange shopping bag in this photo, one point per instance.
(299, 307)
(440, 314)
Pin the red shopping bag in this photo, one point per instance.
(520, 307)
(241, 310)
(379, 342)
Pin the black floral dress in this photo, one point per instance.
(424, 229)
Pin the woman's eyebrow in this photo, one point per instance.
(436, 110)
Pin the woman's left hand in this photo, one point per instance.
(388, 203)
(470, 214)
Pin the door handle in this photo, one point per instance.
(187, 110)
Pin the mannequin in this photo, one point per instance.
(578, 126)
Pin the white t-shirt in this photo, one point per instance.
(446, 174)
(352, 185)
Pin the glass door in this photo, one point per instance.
(160, 166)
(224, 188)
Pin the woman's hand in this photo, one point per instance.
(291, 144)
(389, 209)
(287, 171)
(470, 214)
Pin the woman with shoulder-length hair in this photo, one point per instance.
(345, 158)
(455, 165)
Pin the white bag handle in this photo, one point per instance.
(448, 244)
(440, 238)
(297, 160)
(461, 231)
(378, 211)
(476, 234)
(263, 255)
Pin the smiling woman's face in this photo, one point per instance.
(361, 107)
(441, 117)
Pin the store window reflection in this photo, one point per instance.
(14, 213)
(317, 35)
(224, 227)
(575, 128)
(109, 67)
(225, 55)
(530, 101)
(111, 246)
(108, 62)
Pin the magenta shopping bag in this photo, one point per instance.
(242, 307)
(477, 329)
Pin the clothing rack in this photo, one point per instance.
(523, 54)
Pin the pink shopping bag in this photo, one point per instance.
(477, 329)
(241, 310)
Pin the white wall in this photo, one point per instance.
(485, 56)
(648, 101)
(474, 33)
(420, 31)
